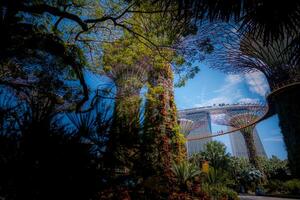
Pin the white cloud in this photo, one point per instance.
(257, 83)
(248, 100)
(230, 92)
(231, 81)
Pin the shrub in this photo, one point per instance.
(292, 186)
(185, 172)
(219, 192)
(274, 168)
(218, 177)
(274, 186)
(215, 154)
(231, 194)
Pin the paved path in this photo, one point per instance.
(245, 197)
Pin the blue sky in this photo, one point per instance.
(213, 87)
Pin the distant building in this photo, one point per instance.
(239, 148)
(201, 127)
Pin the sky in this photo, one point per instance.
(210, 87)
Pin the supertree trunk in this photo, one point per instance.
(123, 145)
(241, 120)
(251, 150)
(162, 142)
(287, 106)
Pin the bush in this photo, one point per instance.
(215, 154)
(292, 186)
(274, 168)
(231, 194)
(218, 177)
(219, 192)
(184, 173)
(274, 186)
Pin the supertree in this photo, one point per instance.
(241, 52)
(127, 69)
(186, 126)
(243, 118)
(161, 129)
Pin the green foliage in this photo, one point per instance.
(126, 52)
(274, 168)
(238, 167)
(285, 187)
(244, 174)
(215, 153)
(193, 70)
(218, 177)
(197, 159)
(274, 186)
(292, 186)
(83, 122)
(217, 192)
(185, 172)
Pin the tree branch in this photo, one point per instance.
(42, 8)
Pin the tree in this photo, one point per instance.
(125, 63)
(215, 153)
(274, 168)
(244, 174)
(244, 120)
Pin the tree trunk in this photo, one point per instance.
(123, 145)
(252, 153)
(287, 105)
(161, 140)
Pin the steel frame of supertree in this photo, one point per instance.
(242, 53)
(128, 81)
(279, 62)
(132, 77)
(242, 118)
(186, 126)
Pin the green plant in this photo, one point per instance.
(274, 168)
(218, 177)
(244, 174)
(292, 186)
(185, 172)
(274, 186)
(215, 153)
(217, 192)
(197, 159)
